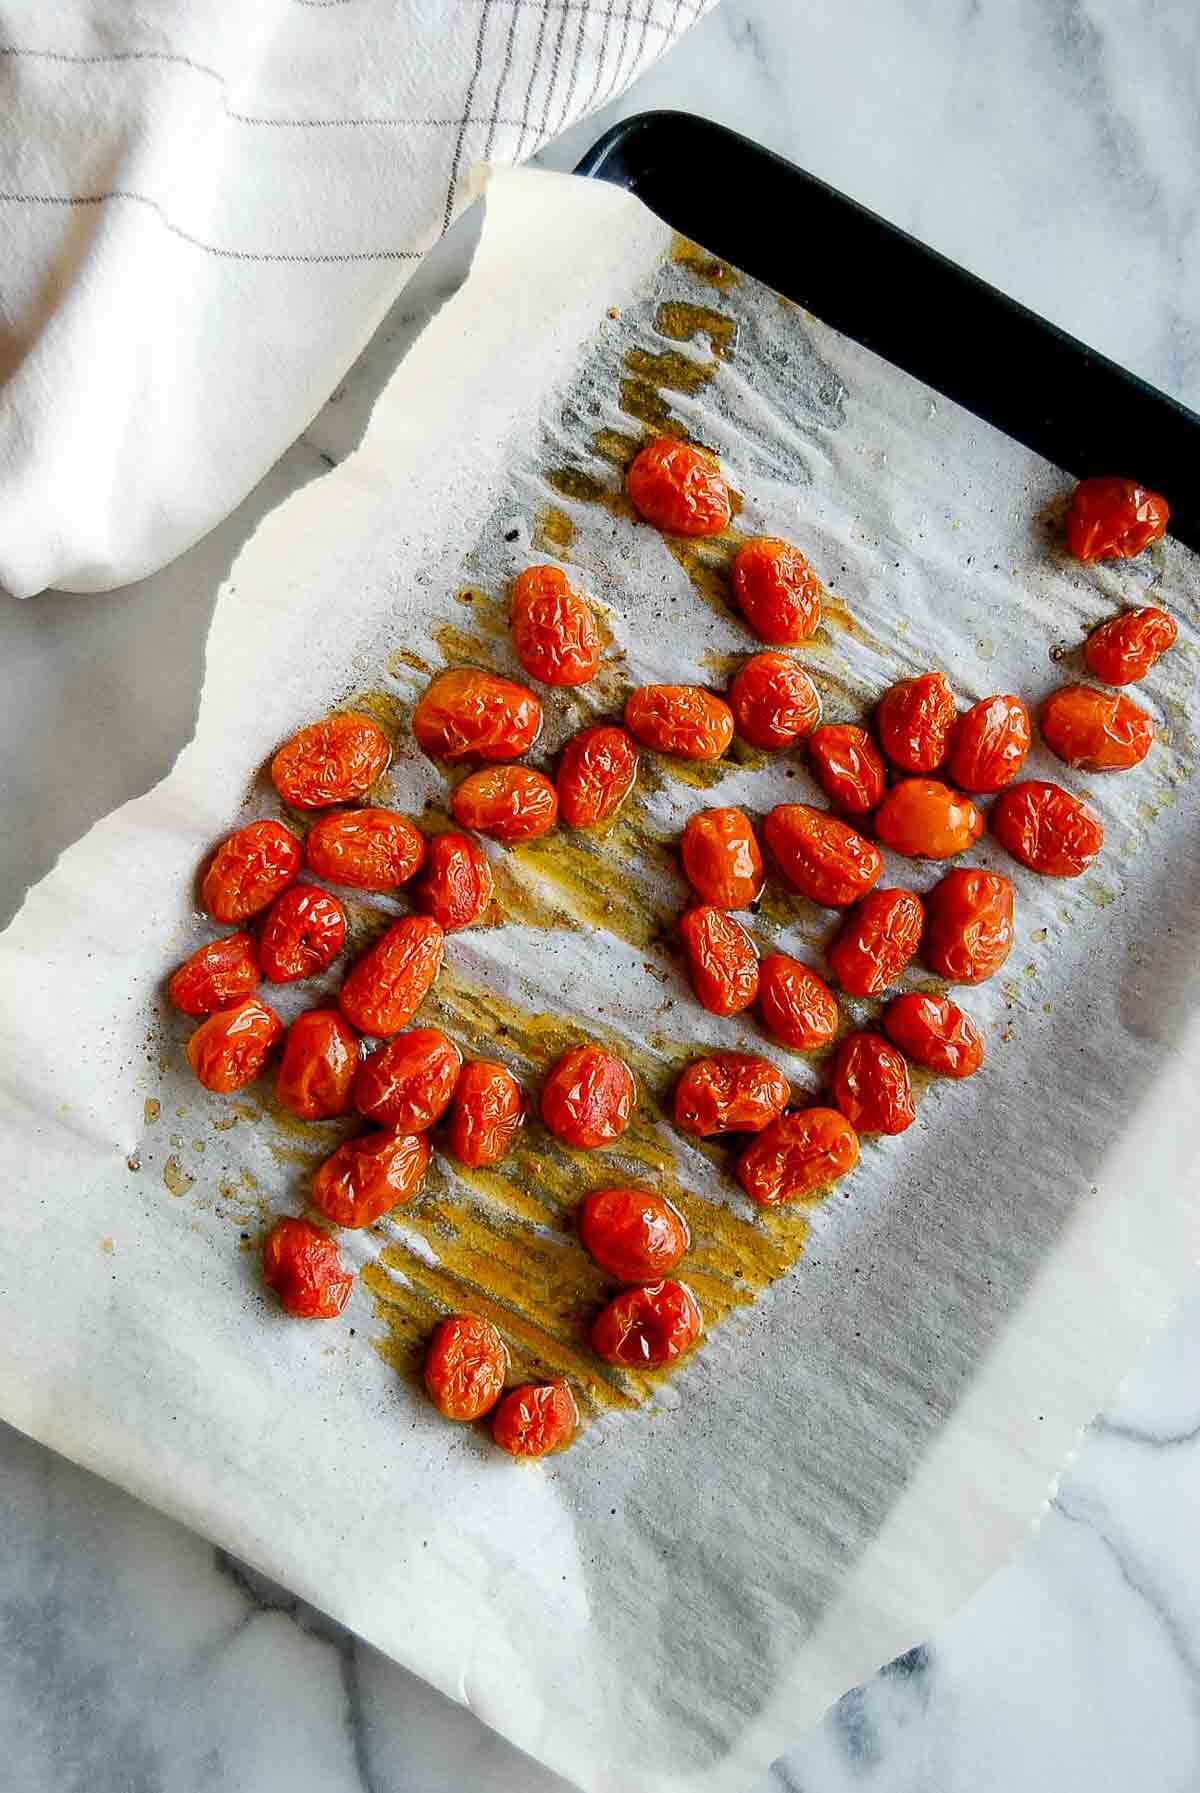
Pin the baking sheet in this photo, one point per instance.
(893, 1376)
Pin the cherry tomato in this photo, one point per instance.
(487, 1113)
(596, 773)
(1114, 519)
(1048, 829)
(317, 1068)
(304, 932)
(680, 719)
(389, 983)
(730, 1092)
(216, 976)
(678, 488)
(554, 631)
(230, 1049)
(333, 761)
(776, 590)
(774, 702)
(823, 857)
(506, 802)
(457, 886)
(369, 849)
(915, 718)
(644, 1328)
(797, 1155)
(848, 766)
(721, 858)
(467, 711)
(1095, 731)
(465, 1367)
(249, 869)
(369, 1175)
(870, 1085)
(408, 1084)
(1124, 648)
(877, 940)
(796, 1005)
(302, 1265)
(925, 819)
(634, 1235)
(968, 925)
(989, 744)
(722, 960)
(588, 1097)
(535, 1419)
(934, 1032)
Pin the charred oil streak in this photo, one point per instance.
(669, 370)
(592, 878)
(554, 532)
(680, 321)
(697, 261)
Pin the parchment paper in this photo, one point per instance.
(664, 1606)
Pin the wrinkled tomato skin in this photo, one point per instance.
(465, 1367)
(1095, 731)
(230, 1048)
(367, 849)
(776, 590)
(409, 1083)
(797, 1155)
(487, 1113)
(333, 761)
(506, 803)
(774, 702)
(925, 819)
(456, 887)
(721, 858)
(989, 744)
(721, 958)
(370, 1175)
(317, 1068)
(597, 771)
(249, 869)
(1114, 519)
(535, 1419)
(634, 1235)
(877, 941)
(871, 1087)
(642, 1329)
(468, 712)
(388, 984)
(934, 1032)
(914, 719)
(554, 631)
(848, 767)
(218, 975)
(678, 488)
(730, 1092)
(302, 1265)
(588, 1097)
(1047, 828)
(796, 1005)
(304, 931)
(824, 858)
(968, 925)
(1123, 649)
(684, 720)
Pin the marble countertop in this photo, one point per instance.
(1052, 147)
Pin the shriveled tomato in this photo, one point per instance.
(926, 819)
(596, 773)
(216, 976)
(721, 958)
(369, 849)
(302, 1264)
(249, 869)
(644, 1328)
(678, 488)
(823, 857)
(848, 766)
(554, 630)
(304, 932)
(730, 1092)
(989, 743)
(1114, 519)
(317, 1069)
(408, 1084)
(487, 1113)
(506, 802)
(797, 1155)
(968, 925)
(633, 1234)
(1048, 829)
(870, 1085)
(776, 590)
(535, 1419)
(1124, 648)
(877, 940)
(469, 712)
(1095, 731)
(456, 886)
(388, 984)
(230, 1049)
(465, 1367)
(721, 858)
(589, 1096)
(333, 761)
(915, 718)
(369, 1175)
(934, 1032)
(774, 702)
(681, 719)
(796, 1005)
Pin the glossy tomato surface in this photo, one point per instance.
(721, 858)
(776, 590)
(596, 773)
(989, 744)
(642, 1329)
(796, 1005)
(409, 1083)
(1095, 731)
(465, 1367)
(823, 857)
(506, 802)
(679, 488)
(915, 718)
(333, 761)
(487, 1113)
(216, 976)
(870, 1085)
(934, 1032)
(797, 1155)
(302, 1265)
(722, 960)
(774, 702)
(849, 767)
(304, 931)
(554, 630)
(1114, 519)
(684, 720)
(368, 849)
(369, 1175)
(456, 887)
(1047, 828)
(925, 819)
(388, 984)
(230, 1048)
(878, 939)
(632, 1233)
(589, 1096)
(968, 925)
(730, 1092)
(249, 869)
(535, 1419)
(1123, 649)
(469, 713)
(317, 1068)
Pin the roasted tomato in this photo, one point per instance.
(797, 1155)
(596, 773)
(249, 869)
(823, 857)
(506, 802)
(776, 590)
(721, 858)
(456, 886)
(388, 984)
(317, 1068)
(644, 1328)
(230, 1049)
(678, 488)
(465, 1367)
(774, 702)
(634, 1235)
(968, 925)
(1048, 829)
(721, 958)
(554, 631)
(925, 819)
(915, 718)
(1124, 648)
(877, 940)
(1114, 519)
(870, 1085)
(304, 932)
(1095, 731)
(989, 744)
(535, 1419)
(369, 1175)
(333, 761)
(848, 766)
(302, 1265)
(467, 711)
(680, 719)
(730, 1092)
(588, 1097)
(934, 1032)
(216, 976)
(369, 849)
(487, 1113)
(408, 1084)
(796, 1005)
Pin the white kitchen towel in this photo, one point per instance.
(207, 206)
